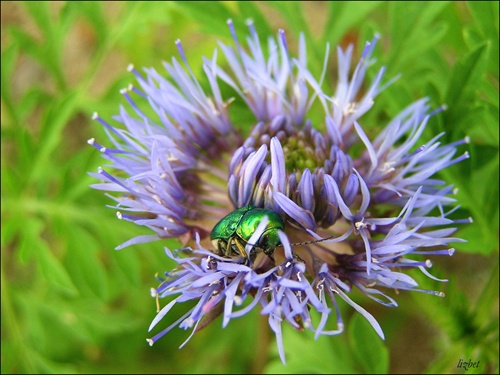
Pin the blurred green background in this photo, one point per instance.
(72, 304)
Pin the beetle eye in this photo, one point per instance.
(262, 241)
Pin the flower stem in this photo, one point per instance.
(262, 345)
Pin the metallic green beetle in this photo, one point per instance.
(232, 232)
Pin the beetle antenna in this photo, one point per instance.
(310, 242)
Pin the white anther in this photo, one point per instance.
(387, 167)
(171, 157)
(360, 224)
(350, 108)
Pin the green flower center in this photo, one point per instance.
(299, 154)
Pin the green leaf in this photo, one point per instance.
(110, 320)
(486, 134)
(76, 185)
(211, 15)
(367, 347)
(48, 51)
(39, 10)
(344, 15)
(482, 202)
(53, 270)
(25, 42)
(34, 96)
(463, 82)
(9, 60)
(294, 14)
(56, 118)
(472, 37)
(128, 264)
(305, 355)
(92, 10)
(485, 14)
(46, 365)
(31, 232)
(413, 32)
(293, 11)
(10, 229)
(46, 317)
(250, 11)
(488, 300)
(84, 262)
(432, 37)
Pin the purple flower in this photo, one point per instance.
(352, 219)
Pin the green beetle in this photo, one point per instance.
(232, 232)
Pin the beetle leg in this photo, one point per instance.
(240, 246)
(297, 258)
(229, 247)
(219, 246)
(269, 253)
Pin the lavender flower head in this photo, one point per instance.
(350, 221)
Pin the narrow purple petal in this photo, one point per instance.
(297, 213)
(278, 166)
